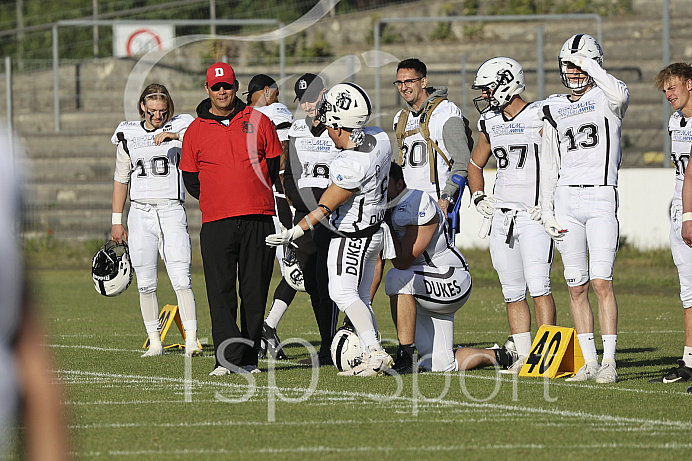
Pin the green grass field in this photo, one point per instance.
(121, 406)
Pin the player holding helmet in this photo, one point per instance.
(521, 251)
(148, 154)
(355, 203)
(579, 162)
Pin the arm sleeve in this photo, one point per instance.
(191, 181)
(122, 164)
(456, 135)
(273, 165)
(549, 169)
(616, 91)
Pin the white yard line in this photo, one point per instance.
(324, 393)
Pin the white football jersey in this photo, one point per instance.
(416, 159)
(315, 154)
(589, 138)
(680, 129)
(153, 170)
(280, 116)
(416, 208)
(515, 144)
(366, 169)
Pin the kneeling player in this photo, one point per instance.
(428, 284)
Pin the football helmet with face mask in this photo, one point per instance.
(111, 269)
(584, 46)
(500, 79)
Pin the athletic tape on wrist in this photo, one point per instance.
(307, 219)
(687, 216)
(117, 218)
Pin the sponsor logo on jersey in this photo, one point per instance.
(505, 129)
(682, 136)
(314, 144)
(576, 109)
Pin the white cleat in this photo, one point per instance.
(375, 364)
(607, 374)
(154, 351)
(585, 373)
(193, 351)
(220, 371)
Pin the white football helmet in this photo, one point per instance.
(345, 105)
(346, 351)
(111, 268)
(502, 78)
(292, 272)
(584, 45)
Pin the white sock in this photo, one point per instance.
(191, 338)
(149, 305)
(277, 311)
(522, 341)
(609, 346)
(588, 347)
(687, 356)
(361, 316)
(187, 308)
(155, 340)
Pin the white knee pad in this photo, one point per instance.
(146, 281)
(181, 283)
(575, 277)
(513, 293)
(601, 270)
(539, 286)
(398, 282)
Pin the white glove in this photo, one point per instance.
(556, 232)
(284, 237)
(485, 204)
(535, 213)
(485, 228)
(577, 59)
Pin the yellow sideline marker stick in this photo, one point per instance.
(555, 353)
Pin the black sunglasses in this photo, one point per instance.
(218, 86)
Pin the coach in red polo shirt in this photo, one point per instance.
(230, 159)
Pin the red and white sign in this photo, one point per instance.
(132, 39)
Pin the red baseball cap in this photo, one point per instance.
(220, 72)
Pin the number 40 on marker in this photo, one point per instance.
(555, 353)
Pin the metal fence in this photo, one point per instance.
(84, 99)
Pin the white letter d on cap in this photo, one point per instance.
(218, 72)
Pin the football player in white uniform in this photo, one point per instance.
(263, 94)
(355, 203)
(311, 152)
(676, 83)
(522, 253)
(579, 163)
(429, 282)
(148, 154)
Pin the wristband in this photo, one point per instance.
(687, 216)
(326, 208)
(117, 218)
(307, 220)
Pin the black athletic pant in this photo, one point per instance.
(234, 248)
(312, 256)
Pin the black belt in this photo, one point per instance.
(367, 232)
(582, 185)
